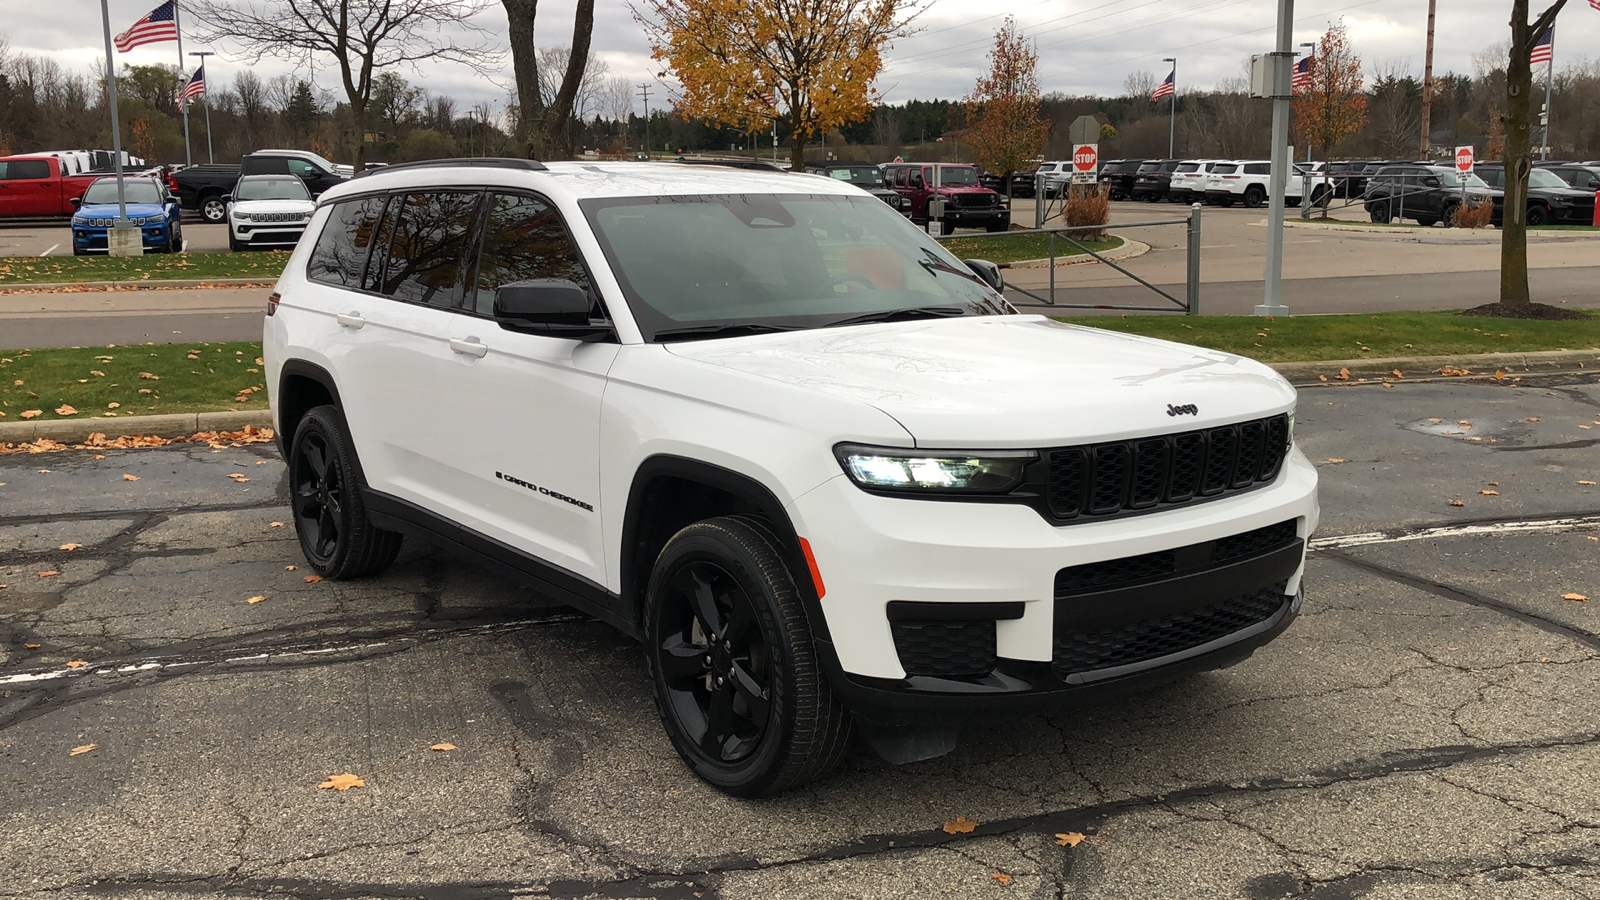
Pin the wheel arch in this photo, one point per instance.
(669, 492)
(302, 385)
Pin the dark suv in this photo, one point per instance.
(1119, 175)
(967, 203)
(1583, 177)
(1427, 194)
(1154, 178)
(865, 176)
(1551, 201)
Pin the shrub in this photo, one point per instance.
(1472, 215)
(1088, 205)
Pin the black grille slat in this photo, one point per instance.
(941, 649)
(1120, 477)
(1079, 652)
(1250, 543)
(1115, 573)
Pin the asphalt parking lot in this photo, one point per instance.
(56, 240)
(1429, 728)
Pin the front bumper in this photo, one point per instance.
(887, 561)
(94, 239)
(980, 216)
(268, 234)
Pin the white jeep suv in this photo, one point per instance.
(1247, 181)
(819, 467)
(267, 211)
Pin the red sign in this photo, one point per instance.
(1085, 158)
(1463, 159)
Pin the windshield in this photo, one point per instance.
(866, 176)
(776, 262)
(1540, 178)
(1453, 179)
(957, 176)
(285, 188)
(136, 190)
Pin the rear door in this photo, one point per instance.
(31, 187)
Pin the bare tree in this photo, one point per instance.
(1395, 108)
(542, 126)
(364, 37)
(1139, 85)
(251, 93)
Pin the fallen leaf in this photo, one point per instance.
(79, 751)
(1435, 421)
(148, 377)
(1457, 503)
(1396, 373)
(256, 599)
(1531, 419)
(69, 547)
(1499, 374)
(1001, 877)
(48, 574)
(1487, 493)
(1335, 459)
(127, 477)
(1591, 537)
(962, 825)
(443, 748)
(1586, 482)
(76, 664)
(97, 372)
(342, 782)
(1577, 598)
(312, 579)
(65, 410)
(1322, 378)
(290, 568)
(1070, 839)
(1344, 375)
(1494, 484)
(31, 413)
(29, 646)
(113, 406)
(275, 525)
(238, 477)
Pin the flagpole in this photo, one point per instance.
(1172, 113)
(183, 84)
(210, 157)
(1549, 80)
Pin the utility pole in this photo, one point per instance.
(644, 91)
(1427, 87)
(1282, 80)
(210, 157)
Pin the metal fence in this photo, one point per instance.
(1189, 305)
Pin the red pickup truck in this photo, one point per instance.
(36, 186)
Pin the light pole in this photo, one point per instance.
(1172, 113)
(210, 158)
(1282, 87)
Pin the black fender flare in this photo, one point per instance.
(299, 368)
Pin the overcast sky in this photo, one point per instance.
(1085, 46)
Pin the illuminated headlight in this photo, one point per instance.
(980, 472)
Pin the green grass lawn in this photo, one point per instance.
(90, 382)
(1360, 336)
(265, 265)
(1004, 248)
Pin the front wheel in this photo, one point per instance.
(734, 665)
(1538, 215)
(996, 227)
(1379, 213)
(330, 516)
(947, 227)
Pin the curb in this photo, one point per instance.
(72, 431)
(148, 284)
(1462, 234)
(1130, 248)
(1417, 368)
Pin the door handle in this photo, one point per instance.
(469, 346)
(350, 320)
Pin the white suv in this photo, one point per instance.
(267, 211)
(1246, 181)
(1056, 174)
(1189, 179)
(820, 467)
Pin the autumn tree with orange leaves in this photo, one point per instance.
(1005, 127)
(1331, 106)
(816, 59)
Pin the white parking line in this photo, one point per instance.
(1537, 526)
(51, 250)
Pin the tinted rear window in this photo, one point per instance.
(1189, 167)
(340, 256)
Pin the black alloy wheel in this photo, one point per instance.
(1253, 197)
(1538, 214)
(324, 494)
(734, 665)
(1379, 212)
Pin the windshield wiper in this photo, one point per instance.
(725, 330)
(901, 315)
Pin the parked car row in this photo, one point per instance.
(1428, 193)
(203, 188)
(47, 183)
(1217, 182)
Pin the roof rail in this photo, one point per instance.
(496, 162)
(756, 164)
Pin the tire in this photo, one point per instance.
(1379, 213)
(330, 516)
(212, 209)
(79, 251)
(1450, 215)
(1253, 197)
(233, 242)
(1225, 202)
(725, 578)
(1427, 221)
(1320, 195)
(1538, 215)
(997, 227)
(177, 239)
(947, 227)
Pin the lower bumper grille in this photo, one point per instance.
(956, 649)
(1080, 652)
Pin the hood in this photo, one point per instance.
(252, 207)
(964, 189)
(109, 210)
(1009, 381)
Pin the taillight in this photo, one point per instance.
(272, 303)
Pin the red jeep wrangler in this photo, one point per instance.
(967, 203)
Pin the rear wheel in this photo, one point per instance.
(213, 210)
(1253, 196)
(330, 516)
(1427, 221)
(1379, 213)
(734, 665)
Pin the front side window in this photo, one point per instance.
(428, 249)
(523, 239)
(302, 169)
(1543, 178)
(340, 256)
(692, 265)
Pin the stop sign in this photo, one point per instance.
(1464, 159)
(1085, 158)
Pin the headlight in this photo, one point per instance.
(978, 472)
(241, 217)
(78, 221)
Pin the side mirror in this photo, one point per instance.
(554, 307)
(988, 271)
(226, 199)
(1430, 181)
(76, 202)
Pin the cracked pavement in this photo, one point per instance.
(1428, 729)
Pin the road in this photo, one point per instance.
(1427, 729)
(58, 319)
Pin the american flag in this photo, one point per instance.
(160, 25)
(1302, 71)
(1167, 88)
(1595, 3)
(195, 87)
(1541, 50)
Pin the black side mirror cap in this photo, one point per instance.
(553, 307)
(76, 202)
(988, 271)
(227, 198)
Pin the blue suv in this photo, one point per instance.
(150, 206)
